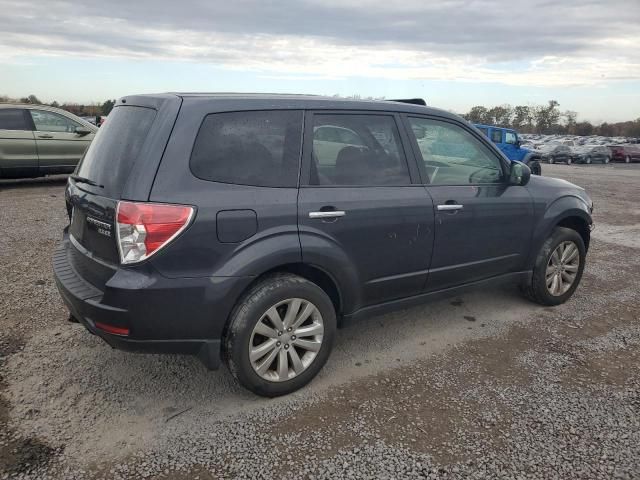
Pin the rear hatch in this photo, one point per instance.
(119, 164)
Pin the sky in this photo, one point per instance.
(453, 53)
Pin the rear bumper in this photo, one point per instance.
(180, 316)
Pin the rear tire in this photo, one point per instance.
(545, 269)
(606, 160)
(627, 159)
(569, 161)
(552, 160)
(250, 349)
(587, 160)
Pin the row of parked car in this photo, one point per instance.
(587, 150)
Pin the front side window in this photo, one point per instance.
(496, 136)
(249, 148)
(510, 137)
(453, 156)
(52, 122)
(13, 119)
(357, 150)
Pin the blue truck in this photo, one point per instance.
(506, 139)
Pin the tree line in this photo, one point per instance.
(548, 119)
(82, 110)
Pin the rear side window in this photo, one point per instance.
(357, 150)
(249, 148)
(114, 150)
(13, 119)
(496, 136)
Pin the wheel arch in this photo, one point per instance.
(580, 225)
(569, 212)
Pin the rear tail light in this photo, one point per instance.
(144, 228)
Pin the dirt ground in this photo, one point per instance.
(482, 385)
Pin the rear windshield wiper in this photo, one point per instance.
(88, 181)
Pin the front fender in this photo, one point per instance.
(564, 207)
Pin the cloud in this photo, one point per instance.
(574, 42)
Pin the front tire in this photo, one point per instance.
(552, 160)
(280, 335)
(588, 161)
(558, 268)
(536, 168)
(569, 161)
(606, 160)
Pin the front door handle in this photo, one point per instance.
(45, 136)
(327, 214)
(449, 207)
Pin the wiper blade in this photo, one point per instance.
(88, 181)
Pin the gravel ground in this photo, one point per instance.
(484, 385)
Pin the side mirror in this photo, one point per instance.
(82, 131)
(519, 174)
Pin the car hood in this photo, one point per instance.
(551, 188)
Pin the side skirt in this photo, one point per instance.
(399, 304)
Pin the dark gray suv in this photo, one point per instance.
(245, 228)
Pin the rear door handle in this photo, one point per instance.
(449, 207)
(45, 136)
(327, 214)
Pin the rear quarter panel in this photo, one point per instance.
(200, 251)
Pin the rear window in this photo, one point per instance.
(249, 148)
(13, 119)
(114, 150)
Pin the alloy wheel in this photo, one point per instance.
(286, 340)
(562, 268)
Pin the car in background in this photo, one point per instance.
(555, 153)
(91, 119)
(506, 139)
(590, 153)
(37, 140)
(629, 152)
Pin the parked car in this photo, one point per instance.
(36, 140)
(233, 232)
(629, 152)
(555, 153)
(590, 153)
(506, 139)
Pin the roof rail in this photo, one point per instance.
(413, 101)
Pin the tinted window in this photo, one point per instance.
(496, 136)
(510, 137)
(453, 156)
(13, 119)
(249, 148)
(357, 150)
(52, 122)
(115, 148)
